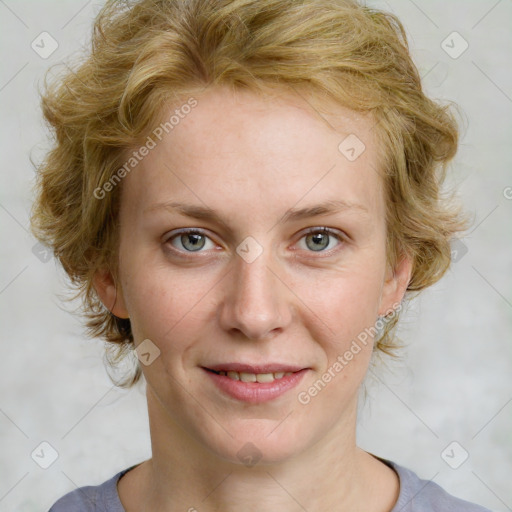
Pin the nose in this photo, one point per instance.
(256, 301)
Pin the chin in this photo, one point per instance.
(254, 443)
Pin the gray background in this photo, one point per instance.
(455, 382)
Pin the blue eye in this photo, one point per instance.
(318, 239)
(193, 240)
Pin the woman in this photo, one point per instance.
(245, 192)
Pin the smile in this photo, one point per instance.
(256, 386)
(254, 377)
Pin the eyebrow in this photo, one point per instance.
(293, 214)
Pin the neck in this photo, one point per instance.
(185, 475)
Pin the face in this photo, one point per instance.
(266, 284)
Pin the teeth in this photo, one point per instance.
(254, 377)
(247, 377)
(265, 377)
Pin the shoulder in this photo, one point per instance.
(97, 498)
(418, 495)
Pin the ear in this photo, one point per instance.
(395, 284)
(109, 293)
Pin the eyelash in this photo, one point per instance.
(314, 230)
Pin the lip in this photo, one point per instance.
(254, 368)
(255, 392)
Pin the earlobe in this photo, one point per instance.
(395, 285)
(110, 293)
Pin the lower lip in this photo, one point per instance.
(256, 392)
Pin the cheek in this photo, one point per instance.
(343, 303)
(345, 348)
(164, 303)
(168, 304)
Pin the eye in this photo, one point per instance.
(190, 240)
(194, 240)
(318, 239)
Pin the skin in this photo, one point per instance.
(251, 159)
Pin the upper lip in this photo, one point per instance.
(252, 368)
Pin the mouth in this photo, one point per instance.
(253, 377)
(255, 384)
(261, 373)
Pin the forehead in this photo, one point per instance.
(260, 153)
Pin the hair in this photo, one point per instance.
(149, 53)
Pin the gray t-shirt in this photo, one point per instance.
(415, 495)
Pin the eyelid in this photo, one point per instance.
(324, 229)
(339, 235)
(175, 233)
(199, 231)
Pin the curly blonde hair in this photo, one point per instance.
(148, 53)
